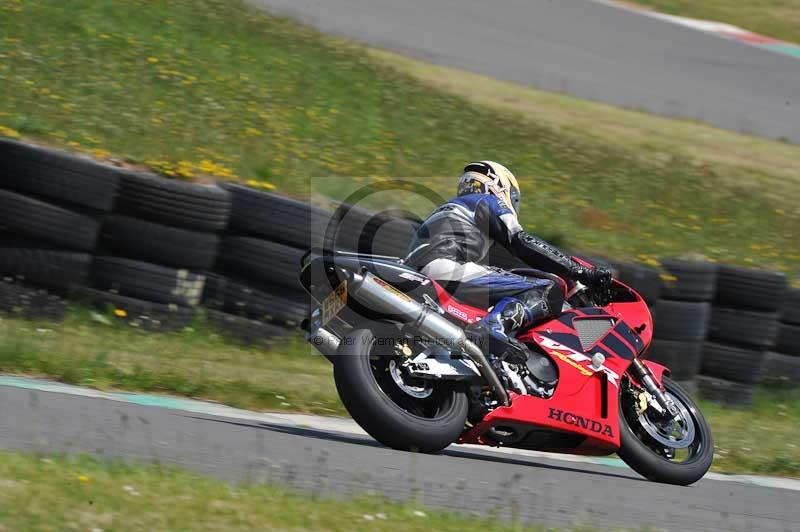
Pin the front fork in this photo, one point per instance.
(644, 375)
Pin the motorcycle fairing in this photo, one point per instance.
(586, 399)
(585, 403)
(617, 340)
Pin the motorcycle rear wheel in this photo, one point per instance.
(645, 445)
(420, 417)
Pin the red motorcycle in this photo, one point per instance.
(410, 377)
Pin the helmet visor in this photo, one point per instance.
(515, 198)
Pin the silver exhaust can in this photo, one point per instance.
(380, 297)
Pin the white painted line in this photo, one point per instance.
(698, 24)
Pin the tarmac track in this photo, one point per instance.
(584, 48)
(280, 449)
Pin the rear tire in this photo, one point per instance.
(383, 418)
(645, 461)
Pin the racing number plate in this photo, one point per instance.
(334, 302)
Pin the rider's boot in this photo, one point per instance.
(492, 333)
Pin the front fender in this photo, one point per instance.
(659, 371)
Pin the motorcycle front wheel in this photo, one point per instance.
(402, 413)
(673, 450)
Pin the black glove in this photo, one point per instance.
(593, 277)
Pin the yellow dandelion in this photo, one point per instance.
(83, 478)
(121, 313)
(152, 59)
(99, 153)
(8, 132)
(210, 167)
(185, 169)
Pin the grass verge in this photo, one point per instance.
(774, 18)
(46, 493)
(196, 362)
(199, 363)
(214, 87)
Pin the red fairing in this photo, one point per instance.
(636, 314)
(460, 311)
(582, 262)
(585, 402)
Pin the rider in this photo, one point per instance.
(452, 246)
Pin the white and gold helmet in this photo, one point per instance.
(489, 177)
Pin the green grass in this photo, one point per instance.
(199, 363)
(211, 86)
(775, 18)
(196, 362)
(58, 493)
(762, 439)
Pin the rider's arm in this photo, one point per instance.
(499, 222)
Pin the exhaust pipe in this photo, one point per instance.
(323, 341)
(377, 295)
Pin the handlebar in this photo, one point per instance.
(599, 297)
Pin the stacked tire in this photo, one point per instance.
(681, 317)
(254, 285)
(254, 288)
(51, 207)
(782, 363)
(153, 251)
(372, 233)
(744, 324)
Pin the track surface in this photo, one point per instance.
(584, 48)
(537, 490)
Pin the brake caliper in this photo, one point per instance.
(642, 402)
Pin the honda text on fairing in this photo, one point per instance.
(410, 375)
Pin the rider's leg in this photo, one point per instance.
(516, 300)
(542, 299)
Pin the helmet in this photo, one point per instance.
(489, 177)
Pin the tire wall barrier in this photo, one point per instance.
(155, 250)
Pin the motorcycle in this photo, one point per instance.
(411, 378)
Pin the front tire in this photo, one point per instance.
(427, 424)
(654, 459)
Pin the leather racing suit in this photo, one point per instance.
(451, 247)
